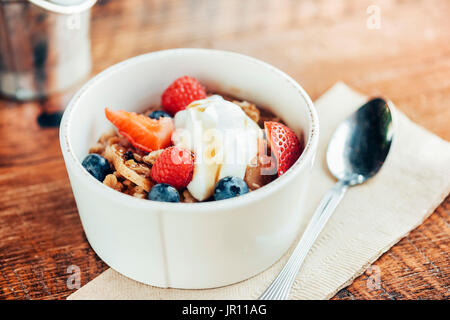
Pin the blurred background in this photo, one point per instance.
(399, 48)
(396, 48)
(317, 42)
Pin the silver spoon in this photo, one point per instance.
(356, 152)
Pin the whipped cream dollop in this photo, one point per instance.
(223, 138)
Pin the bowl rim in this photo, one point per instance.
(97, 186)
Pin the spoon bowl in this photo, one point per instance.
(361, 143)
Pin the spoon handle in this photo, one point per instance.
(281, 286)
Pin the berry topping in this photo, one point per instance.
(284, 145)
(180, 93)
(164, 193)
(174, 166)
(230, 187)
(143, 132)
(97, 166)
(158, 114)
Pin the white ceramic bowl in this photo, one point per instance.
(183, 245)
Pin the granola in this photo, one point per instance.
(145, 153)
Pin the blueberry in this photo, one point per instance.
(164, 192)
(97, 166)
(158, 114)
(230, 187)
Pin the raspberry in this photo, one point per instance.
(174, 166)
(181, 93)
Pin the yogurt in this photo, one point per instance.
(223, 138)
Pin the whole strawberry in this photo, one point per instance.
(284, 145)
(180, 93)
(174, 166)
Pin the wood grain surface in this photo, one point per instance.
(317, 42)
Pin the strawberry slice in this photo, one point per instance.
(143, 132)
(284, 145)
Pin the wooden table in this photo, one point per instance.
(317, 42)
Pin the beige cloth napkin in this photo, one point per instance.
(369, 220)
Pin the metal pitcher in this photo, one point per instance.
(44, 46)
